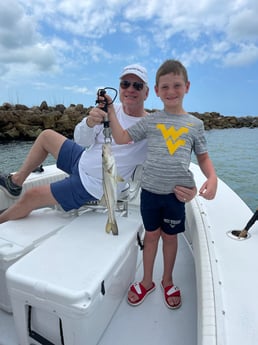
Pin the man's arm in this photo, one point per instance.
(85, 131)
(81, 134)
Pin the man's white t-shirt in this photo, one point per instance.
(126, 156)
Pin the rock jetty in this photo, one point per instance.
(19, 122)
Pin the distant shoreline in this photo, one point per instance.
(19, 122)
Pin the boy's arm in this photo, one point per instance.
(209, 188)
(120, 135)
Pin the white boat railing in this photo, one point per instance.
(196, 224)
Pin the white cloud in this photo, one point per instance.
(245, 55)
(57, 35)
(84, 18)
(144, 45)
(20, 43)
(244, 25)
(78, 89)
(126, 27)
(163, 19)
(16, 30)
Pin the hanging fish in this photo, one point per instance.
(110, 180)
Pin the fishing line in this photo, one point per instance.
(102, 93)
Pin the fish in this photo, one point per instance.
(110, 180)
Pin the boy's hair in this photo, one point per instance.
(171, 66)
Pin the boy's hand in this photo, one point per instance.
(208, 189)
(185, 194)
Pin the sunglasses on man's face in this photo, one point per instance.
(124, 84)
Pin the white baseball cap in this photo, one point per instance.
(135, 69)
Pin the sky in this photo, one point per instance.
(63, 51)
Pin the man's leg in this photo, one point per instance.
(32, 199)
(47, 142)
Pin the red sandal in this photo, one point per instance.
(171, 291)
(141, 293)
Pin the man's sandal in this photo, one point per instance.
(171, 291)
(141, 292)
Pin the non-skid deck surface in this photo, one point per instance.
(152, 322)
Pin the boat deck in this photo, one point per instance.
(221, 268)
(151, 322)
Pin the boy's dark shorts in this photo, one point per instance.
(70, 193)
(164, 211)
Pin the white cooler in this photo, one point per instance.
(19, 237)
(67, 290)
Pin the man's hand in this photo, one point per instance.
(95, 117)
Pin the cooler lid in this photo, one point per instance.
(70, 267)
(18, 237)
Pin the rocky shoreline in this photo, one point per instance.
(19, 122)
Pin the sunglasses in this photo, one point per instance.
(124, 84)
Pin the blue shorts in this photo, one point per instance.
(164, 211)
(70, 193)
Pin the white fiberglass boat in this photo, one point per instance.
(63, 280)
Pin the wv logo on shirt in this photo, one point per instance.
(172, 137)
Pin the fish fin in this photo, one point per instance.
(112, 227)
(119, 179)
(102, 201)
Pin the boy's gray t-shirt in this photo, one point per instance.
(170, 142)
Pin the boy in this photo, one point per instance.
(172, 134)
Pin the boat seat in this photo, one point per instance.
(128, 194)
(122, 202)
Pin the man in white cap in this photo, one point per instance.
(84, 167)
(133, 92)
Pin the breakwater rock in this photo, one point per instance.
(19, 122)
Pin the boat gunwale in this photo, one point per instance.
(196, 225)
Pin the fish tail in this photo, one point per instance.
(112, 226)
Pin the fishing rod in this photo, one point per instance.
(102, 93)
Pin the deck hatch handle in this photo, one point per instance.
(103, 290)
(39, 338)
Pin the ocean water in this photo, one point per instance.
(234, 153)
